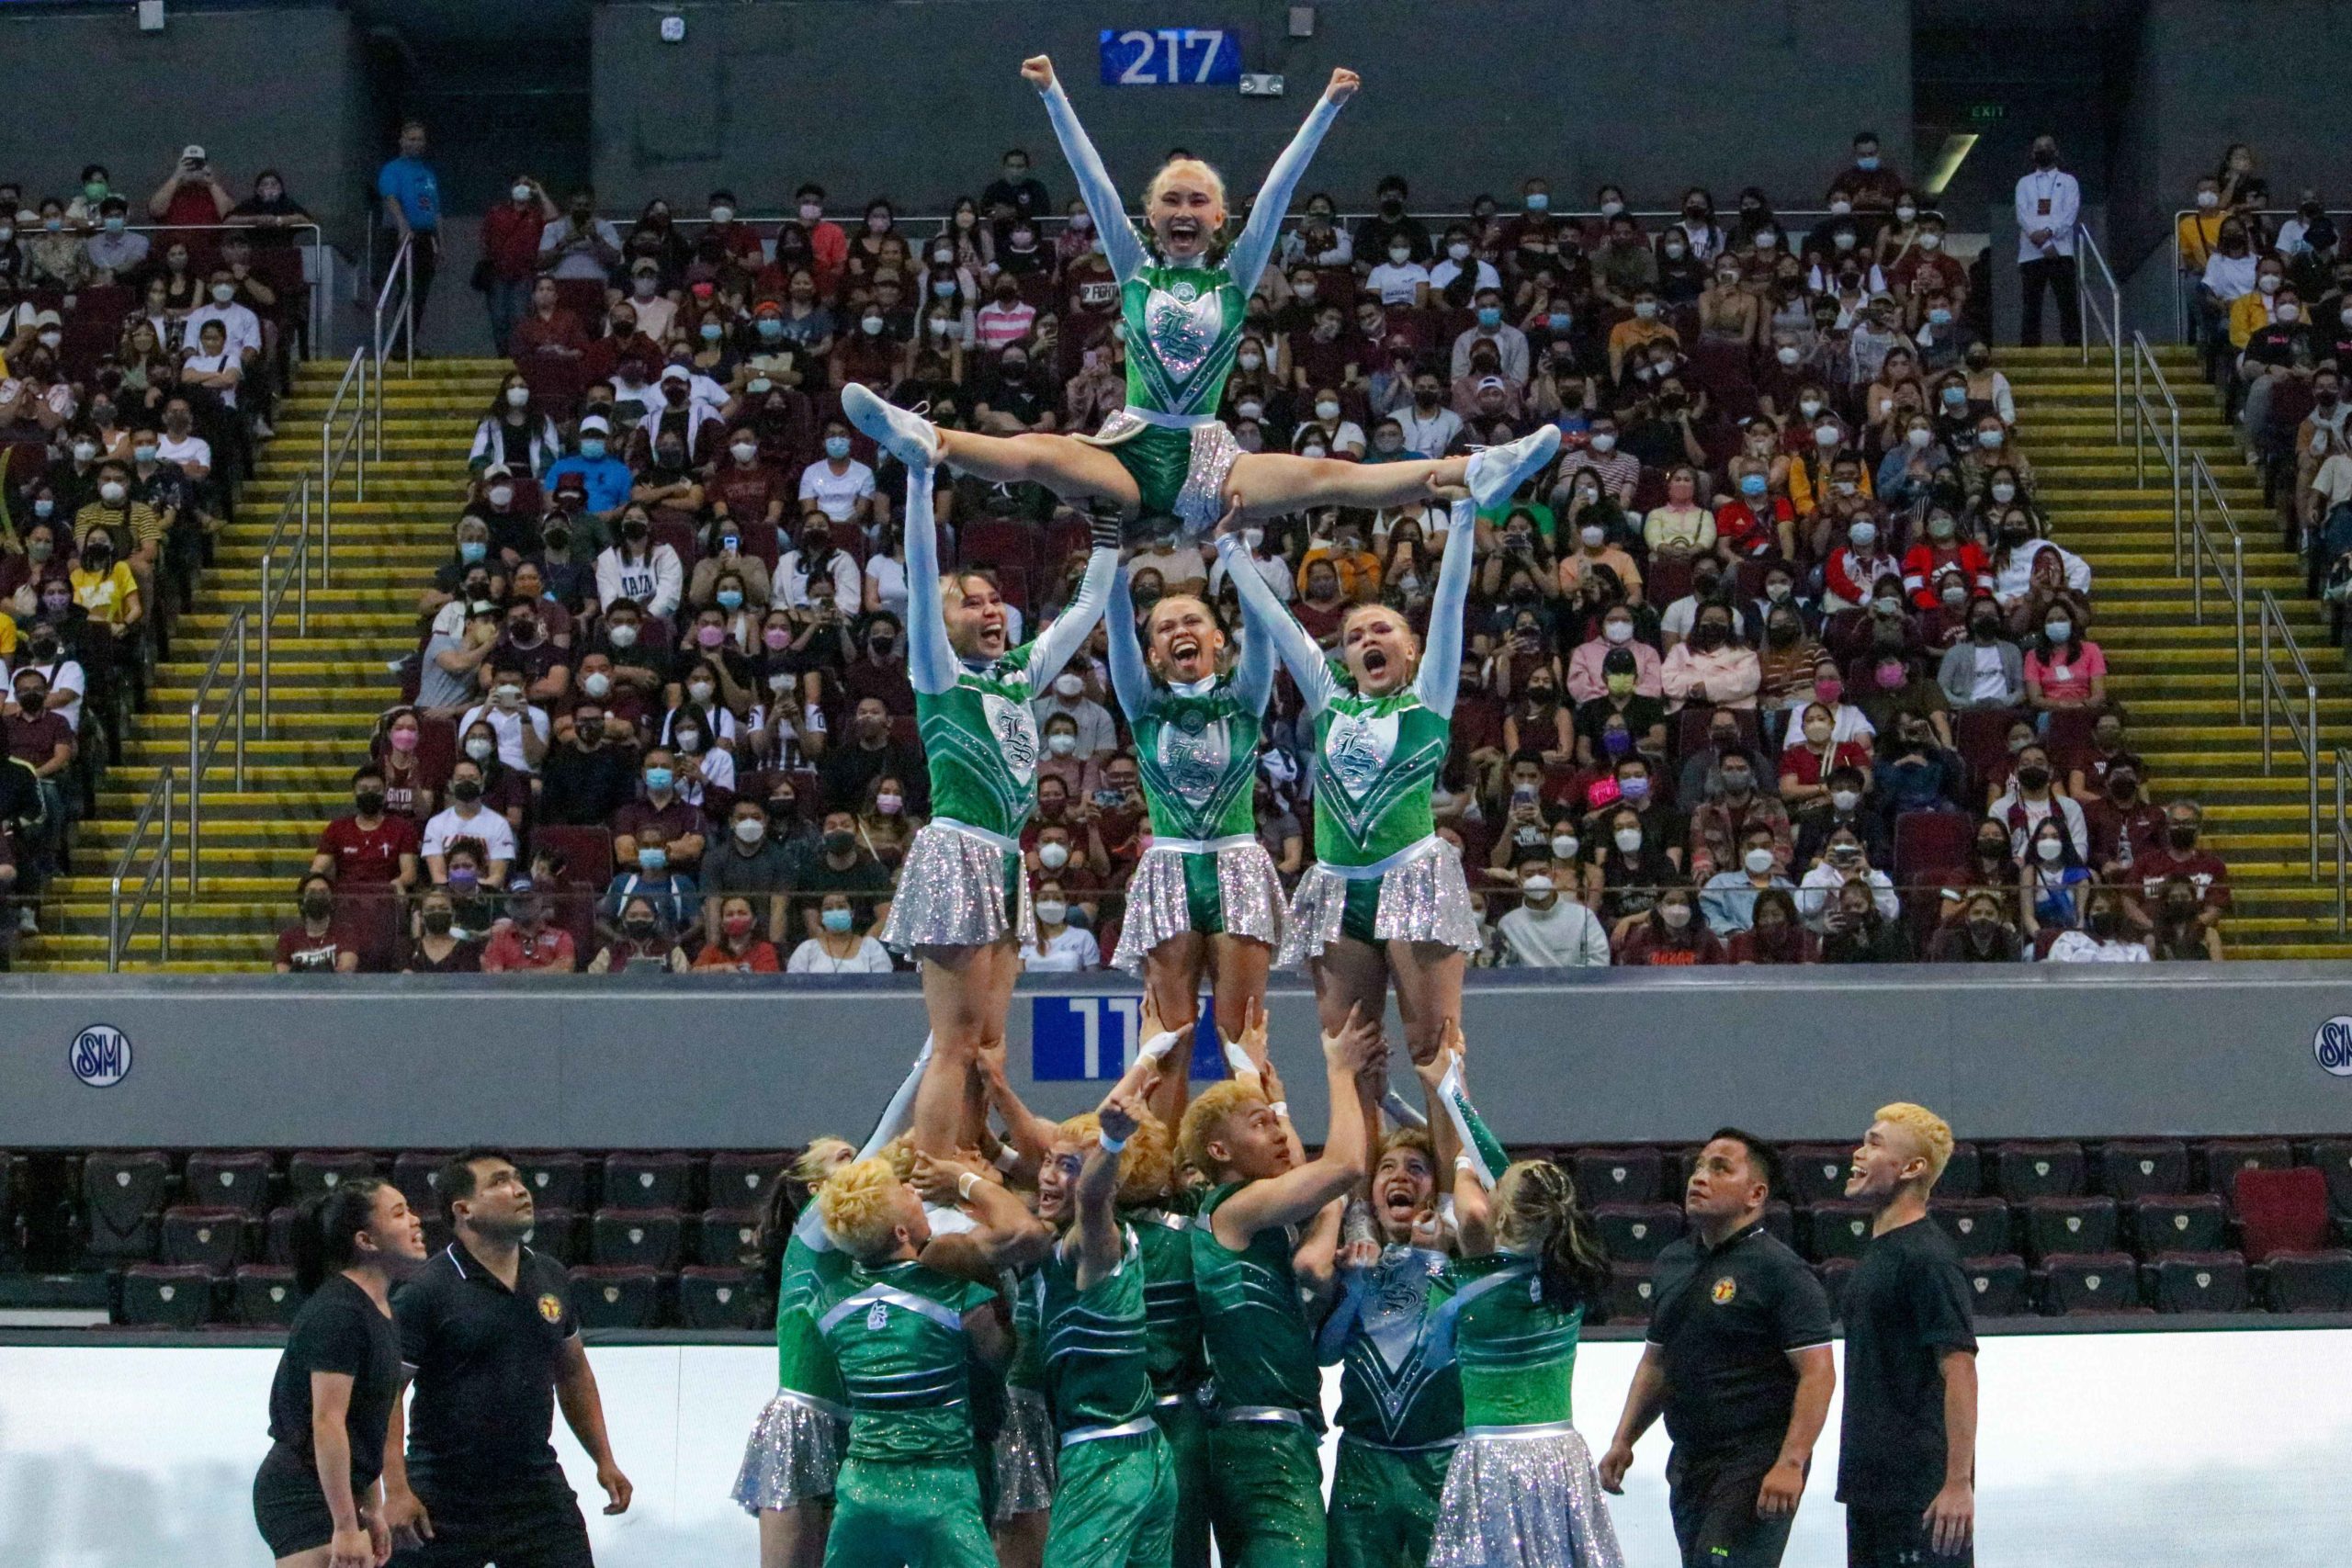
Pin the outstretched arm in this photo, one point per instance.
(897, 1117)
(1442, 659)
(1247, 258)
(1120, 246)
(1130, 676)
(1067, 632)
(931, 665)
(1253, 673)
(1263, 612)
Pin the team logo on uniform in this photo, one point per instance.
(1725, 1288)
(551, 1309)
(877, 1317)
(1015, 732)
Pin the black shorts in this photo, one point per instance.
(530, 1521)
(1712, 1495)
(289, 1508)
(1897, 1537)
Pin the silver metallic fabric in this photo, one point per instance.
(1250, 893)
(1425, 900)
(1523, 1501)
(1025, 1451)
(951, 894)
(793, 1455)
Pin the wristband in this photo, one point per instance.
(1007, 1158)
(1239, 1062)
(1111, 1145)
(964, 1183)
(1463, 1162)
(1158, 1047)
(1281, 1108)
(1103, 532)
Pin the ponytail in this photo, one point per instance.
(1537, 1212)
(788, 1195)
(326, 1230)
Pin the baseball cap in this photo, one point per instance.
(595, 424)
(192, 153)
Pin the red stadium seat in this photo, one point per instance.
(717, 1299)
(2091, 1283)
(2281, 1210)
(1927, 839)
(1631, 1294)
(1979, 1227)
(2196, 1281)
(2186, 1221)
(2069, 737)
(1981, 735)
(228, 1178)
(2055, 1225)
(1666, 580)
(1690, 730)
(583, 297)
(587, 851)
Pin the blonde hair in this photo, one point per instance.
(1174, 167)
(859, 1204)
(1929, 1130)
(1414, 1138)
(1146, 1168)
(899, 1154)
(951, 585)
(1536, 1214)
(1205, 1118)
(818, 1160)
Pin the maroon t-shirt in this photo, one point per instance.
(309, 954)
(677, 819)
(35, 740)
(370, 855)
(2201, 867)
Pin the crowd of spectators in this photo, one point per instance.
(143, 342)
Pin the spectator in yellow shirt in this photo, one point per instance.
(2249, 313)
(1357, 568)
(2199, 231)
(1646, 326)
(104, 587)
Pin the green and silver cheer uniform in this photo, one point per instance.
(1023, 1455)
(1381, 873)
(1265, 1496)
(961, 883)
(1182, 322)
(1117, 1505)
(1179, 1367)
(1400, 1412)
(1197, 751)
(907, 1494)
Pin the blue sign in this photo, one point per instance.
(1170, 57)
(1074, 1039)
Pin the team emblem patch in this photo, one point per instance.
(1725, 1289)
(551, 1309)
(877, 1317)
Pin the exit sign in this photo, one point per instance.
(1980, 113)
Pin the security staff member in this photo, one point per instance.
(488, 1334)
(1738, 1361)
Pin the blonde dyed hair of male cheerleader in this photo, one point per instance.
(860, 1206)
(1205, 1118)
(1536, 1215)
(1147, 1166)
(899, 1154)
(1930, 1132)
(1207, 175)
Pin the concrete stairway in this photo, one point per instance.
(2177, 680)
(326, 688)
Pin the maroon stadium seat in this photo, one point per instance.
(165, 1295)
(1840, 1229)
(1618, 1176)
(2186, 1221)
(1981, 735)
(2196, 1281)
(2023, 1170)
(2096, 1281)
(1997, 1284)
(1631, 1292)
(632, 1238)
(413, 1172)
(740, 1179)
(229, 1178)
(1817, 1172)
(616, 1298)
(1979, 1227)
(1636, 1233)
(2281, 1210)
(722, 1238)
(2055, 1225)
(210, 1239)
(562, 1233)
(2132, 1169)
(1963, 1174)
(313, 1171)
(264, 1295)
(2309, 1282)
(717, 1298)
(647, 1181)
(1927, 839)
(123, 1193)
(587, 851)
(2222, 1159)
(557, 1178)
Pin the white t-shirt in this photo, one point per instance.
(1066, 952)
(1449, 269)
(508, 727)
(485, 826)
(836, 495)
(811, 958)
(1273, 568)
(888, 577)
(65, 675)
(212, 365)
(195, 449)
(1396, 284)
(1566, 936)
(2081, 947)
(792, 582)
(1991, 686)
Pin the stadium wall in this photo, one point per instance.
(283, 88)
(717, 1062)
(916, 101)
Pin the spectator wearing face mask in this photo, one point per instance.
(1728, 896)
(1714, 667)
(2182, 857)
(2105, 936)
(1814, 755)
(1550, 929)
(680, 824)
(1916, 772)
(521, 729)
(371, 848)
(1630, 340)
(578, 244)
(316, 944)
(1627, 868)
(1489, 329)
(604, 478)
(1982, 934)
(2179, 934)
(2029, 800)
(2063, 668)
(2053, 881)
(838, 865)
(1986, 670)
(1777, 937)
(438, 949)
(525, 944)
(1844, 863)
(468, 820)
(515, 433)
(642, 941)
(1586, 673)
(588, 775)
(2278, 353)
(1941, 548)
(1671, 935)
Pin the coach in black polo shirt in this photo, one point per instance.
(488, 1334)
(1738, 1361)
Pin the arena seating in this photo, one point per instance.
(668, 1239)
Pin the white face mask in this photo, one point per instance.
(2269, 282)
(1931, 241)
(1989, 439)
(700, 690)
(1919, 439)
(479, 749)
(1676, 916)
(1326, 410)
(1808, 406)
(1051, 911)
(518, 397)
(1787, 355)
(1604, 443)
(1646, 308)
(596, 682)
(1844, 799)
(2048, 849)
(1459, 250)
(1629, 840)
(111, 492)
(1053, 856)
(1061, 743)
(85, 451)
(2209, 199)
(1249, 361)
(2005, 492)
(1906, 213)
(1825, 437)
(1617, 631)
(520, 192)
(1068, 686)
(2287, 311)
(1563, 846)
(744, 451)
(750, 830)
(1400, 255)
(1757, 861)
(2059, 631)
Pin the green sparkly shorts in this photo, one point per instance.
(1178, 472)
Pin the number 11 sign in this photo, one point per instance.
(1170, 57)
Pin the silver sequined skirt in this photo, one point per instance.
(1201, 503)
(951, 894)
(1249, 899)
(1425, 900)
(793, 1456)
(1523, 1501)
(1024, 1455)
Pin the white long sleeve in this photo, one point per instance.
(1247, 258)
(1121, 247)
(1261, 611)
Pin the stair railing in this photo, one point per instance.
(155, 886)
(2343, 831)
(2103, 310)
(2303, 730)
(2161, 423)
(294, 517)
(337, 448)
(395, 320)
(202, 745)
(2204, 552)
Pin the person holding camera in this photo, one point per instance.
(191, 196)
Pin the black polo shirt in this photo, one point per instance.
(1905, 1304)
(1725, 1321)
(485, 1360)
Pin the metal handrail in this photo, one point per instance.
(402, 274)
(318, 277)
(295, 515)
(2181, 319)
(333, 451)
(2144, 422)
(156, 884)
(2110, 321)
(2305, 732)
(2343, 830)
(2202, 549)
(202, 747)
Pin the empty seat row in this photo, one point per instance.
(262, 1295)
(217, 1239)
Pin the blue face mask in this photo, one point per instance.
(1488, 316)
(1635, 789)
(1616, 742)
(731, 599)
(651, 858)
(472, 551)
(1866, 164)
(1752, 484)
(711, 331)
(592, 448)
(658, 779)
(1537, 201)
(1941, 318)
(836, 920)
(1955, 395)
(1559, 320)
(771, 330)
(836, 447)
